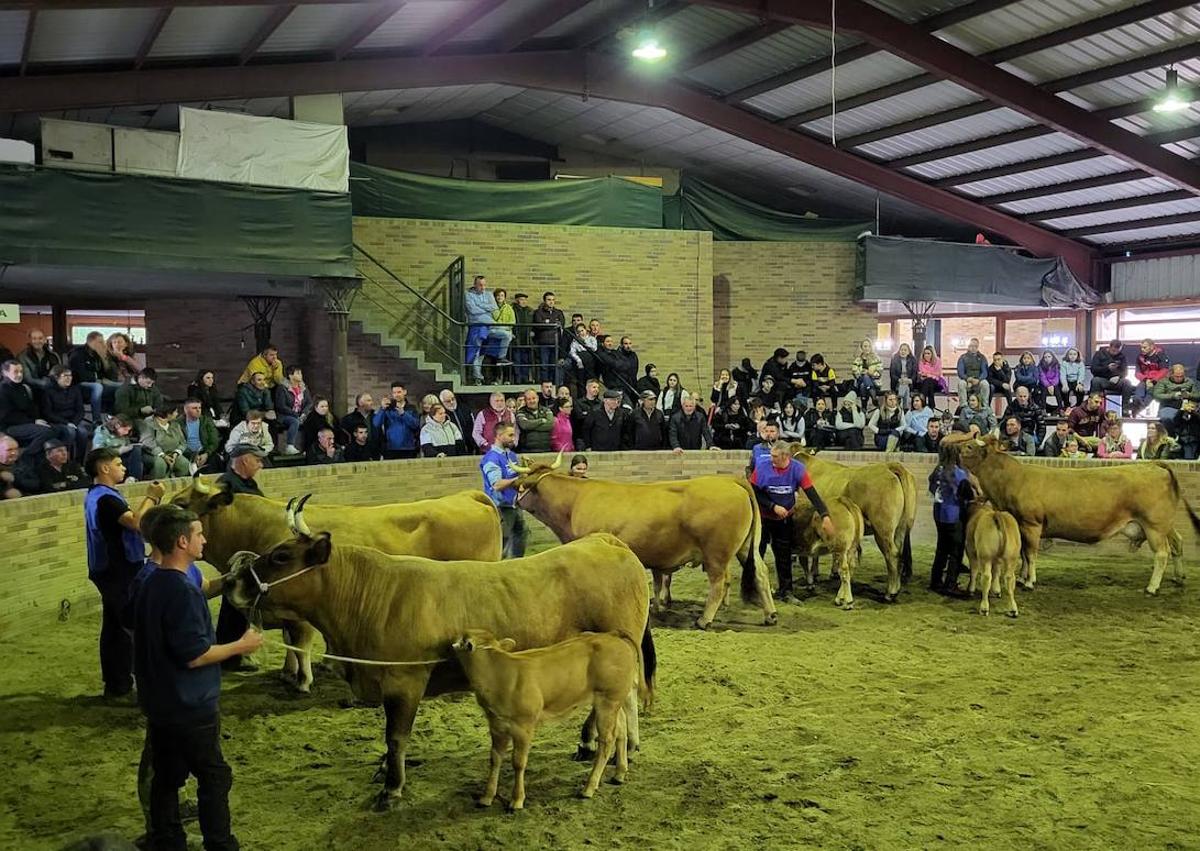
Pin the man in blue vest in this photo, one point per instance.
(500, 484)
(116, 553)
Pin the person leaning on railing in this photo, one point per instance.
(505, 319)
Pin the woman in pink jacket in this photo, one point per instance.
(561, 438)
(930, 380)
(1114, 444)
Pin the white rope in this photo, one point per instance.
(833, 72)
(350, 659)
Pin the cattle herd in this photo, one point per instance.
(411, 602)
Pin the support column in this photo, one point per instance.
(262, 309)
(339, 295)
(59, 330)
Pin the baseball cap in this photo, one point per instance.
(649, 394)
(612, 394)
(53, 444)
(247, 449)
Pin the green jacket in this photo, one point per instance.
(1165, 392)
(535, 428)
(210, 438)
(250, 398)
(131, 398)
(158, 439)
(524, 317)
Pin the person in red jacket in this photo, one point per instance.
(1152, 366)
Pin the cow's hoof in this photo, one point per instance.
(770, 619)
(586, 794)
(702, 624)
(848, 607)
(890, 598)
(983, 612)
(616, 781)
(583, 754)
(1012, 615)
(1151, 592)
(304, 688)
(386, 802)
(514, 806)
(483, 803)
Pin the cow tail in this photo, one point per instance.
(749, 587)
(1177, 493)
(908, 488)
(649, 657)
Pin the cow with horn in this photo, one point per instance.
(393, 619)
(710, 520)
(463, 525)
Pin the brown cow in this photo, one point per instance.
(407, 611)
(887, 496)
(845, 545)
(710, 519)
(993, 545)
(1087, 505)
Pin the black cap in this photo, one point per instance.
(612, 394)
(53, 444)
(247, 449)
(649, 394)
(782, 353)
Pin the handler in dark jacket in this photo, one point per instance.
(689, 429)
(605, 429)
(647, 427)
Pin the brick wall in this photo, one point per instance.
(790, 294)
(654, 285)
(43, 561)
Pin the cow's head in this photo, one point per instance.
(265, 581)
(801, 452)
(203, 498)
(973, 451)
(530, 475)
(474, 640)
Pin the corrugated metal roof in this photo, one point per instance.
(1147, 211)
(1144, 234)
(89, 35)
(851, 78)
(697, 27)
(496, 21)
(1042, 146)
(951, 133)
(191, 31)
(415, 23)
(783, 51)
(12, 36)
(312, 27)
(1024, 20)
(891, 110)
(583, 20)
(1129, 189)
(1045, 176)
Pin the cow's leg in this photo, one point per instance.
(522, 738)
(622, 750)
(632, 722)
(718, 585)
(500, 742)
(891, 557)
(302, 634)
(1031, 540)
(1010, 583)
(981, 569)
(1160, 544)
(606, 723)
(667, 587)
(587, 739)
(656, 600)
(846, 576)
(400, 710)
(1176, 541)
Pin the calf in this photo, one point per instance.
(518, 690)
(993, 549)
(845, 545)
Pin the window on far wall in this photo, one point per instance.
(957, 332)
(1056, 333)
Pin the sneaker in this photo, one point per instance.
(290, 450)
(503, 363)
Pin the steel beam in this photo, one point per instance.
(743, 38)
(277, 16)
(374, 21)
(1106, 206)
(1133, 224)
(156, 27)
(459, 25)
(30, 23)
(539, 20)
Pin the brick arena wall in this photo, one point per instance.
(43, 561)
(769, 294)
(654, 285)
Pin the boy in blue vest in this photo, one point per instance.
(116, 552)
(500, 484)
(776, 478)
(179, 683)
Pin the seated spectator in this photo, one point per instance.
(62, 408)
(1158, 445)
(1114, 444)
(1084, 420)
(731, 427)
(724, 390)
(867, 370)
(324, 449)
(647, 427)
(903, 373)
(54, 471)
(360, 447)
(1050, 382)
(141, 399)
(20, 418)
(820, 425)
(822, 378)
(746, 379)
(650, 382)
(120, 349)
(483, 432)
(362, 415)
(267, 363)
(769, 394)
(204, 390)
(1187, 431)
(253, 395)
(1172, 392)
(548, 396)
(1074, 378)
(579, 466)
(1014, 439)
(688, 428)
(504, 319)
(163, 444)
(888, 423)
(775, 366)
(292, 404)
(975, 418)
(670, 398)
(535, 422)
(200, 436)
(38, 359)
(1000, 377)
(916, 422)
(759, 417)
(1072, 448)
(1027, 411)
(95, 372)
(1056, 440)
(972, 374)
(849, 422)
(930, 380)
(10, 453)
(440, 437)
(562, 437)
(1152, 367)
(252, 431)
(321, 416)
(398, 425)
(605, 428)
(1108, 372)
(799, 373)
(791, 423)
(1026, 375)
(950, 424)
(931, 440)
(117, 432)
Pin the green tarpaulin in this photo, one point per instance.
(600, 202)
(702, 206)
(55, 217)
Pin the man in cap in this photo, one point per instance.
(55, 471)
(647, 426)
(605, 428)
(245, 460)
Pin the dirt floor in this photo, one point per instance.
(916, 725)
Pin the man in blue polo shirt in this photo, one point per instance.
(776, 479)
(500, 484)
(177, 661)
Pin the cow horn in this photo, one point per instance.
(301, 526)
(557, 461)
(200, 485)
(517, 468)
(978, 442)
(290, 514)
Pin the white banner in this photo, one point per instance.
(232, 148)
(10, 314)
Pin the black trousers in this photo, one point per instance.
(948, 557)
(781, 533)
(116, 645)
(177, 751)
(231, 625)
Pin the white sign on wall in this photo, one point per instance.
(10, 314)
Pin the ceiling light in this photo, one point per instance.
(1172, 98)
(649, 50)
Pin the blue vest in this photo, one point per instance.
(97, 550)
(501, 458)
